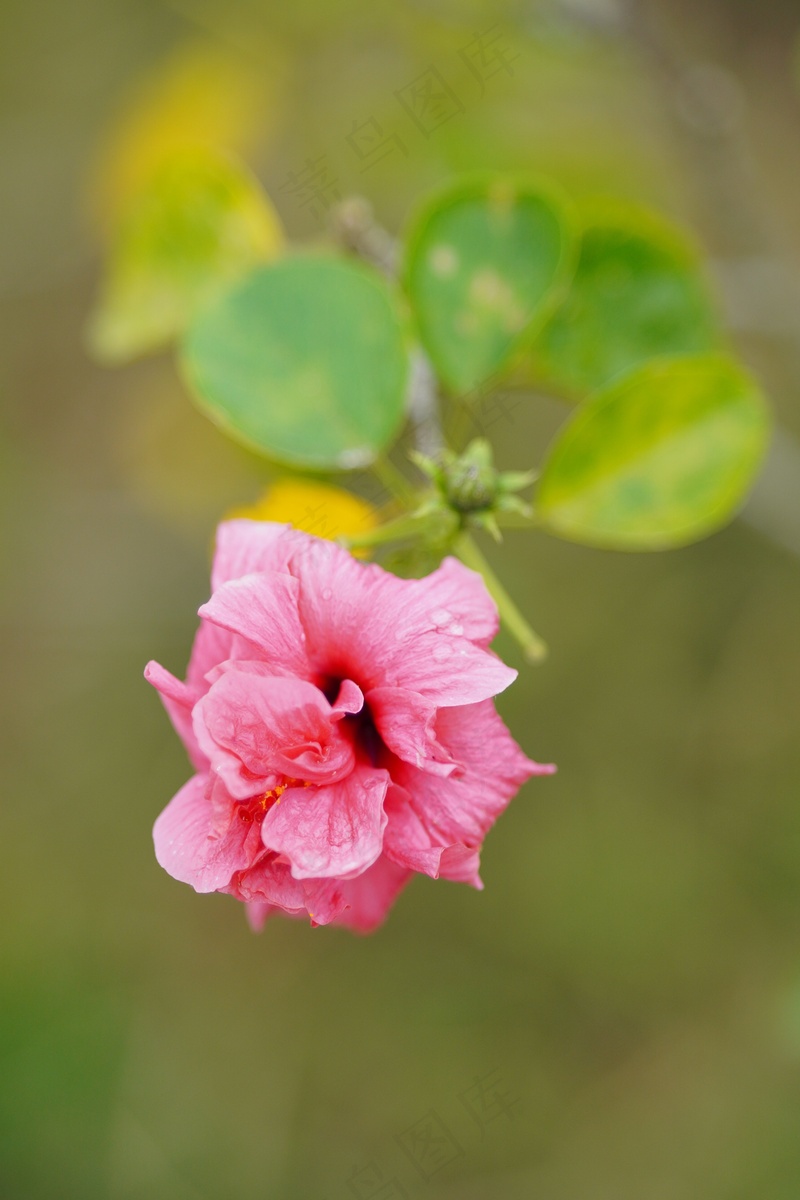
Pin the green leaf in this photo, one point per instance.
(485, 263)
(638, 293)
(660, 458)
(304, 361)
(201, 223)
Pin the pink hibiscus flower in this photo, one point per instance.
(341, 725)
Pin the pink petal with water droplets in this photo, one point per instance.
(406, 722)
(190, 851)
(462, 808)
(367, 624)
(409, 843)
(334, 830)
(263, 610)
(270, 726)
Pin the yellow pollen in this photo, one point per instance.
(274, 794)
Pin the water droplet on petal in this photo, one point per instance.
(440, 617)
(441, 651)
(326, 593)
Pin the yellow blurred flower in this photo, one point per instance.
(316, 508)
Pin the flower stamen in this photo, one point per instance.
(273, 796)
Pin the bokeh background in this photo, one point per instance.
(617, 1017)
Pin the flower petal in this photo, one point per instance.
(449, 670)
(349, 701)
(366, 624)
(455, 600)
(212, 645)
(462, 808)
(269, 726)
(178, 699)
(461, 864)
(406, 722)
(263, 609)
(245, 547)
(271, 882)
(245, 666)
(370, 896)
(259, 911)
(409, 843)
(187, 848)
(332, 830)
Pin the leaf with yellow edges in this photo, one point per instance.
(201, 223)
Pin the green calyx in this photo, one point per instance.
(468, 486)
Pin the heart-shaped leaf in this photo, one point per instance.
(485, 263)
(201, 223)
(660, 458)
(638, 293)
(305, 361)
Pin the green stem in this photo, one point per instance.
(393, 480)
(532, 645)
(400, 529)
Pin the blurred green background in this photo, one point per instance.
(617, 1017)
